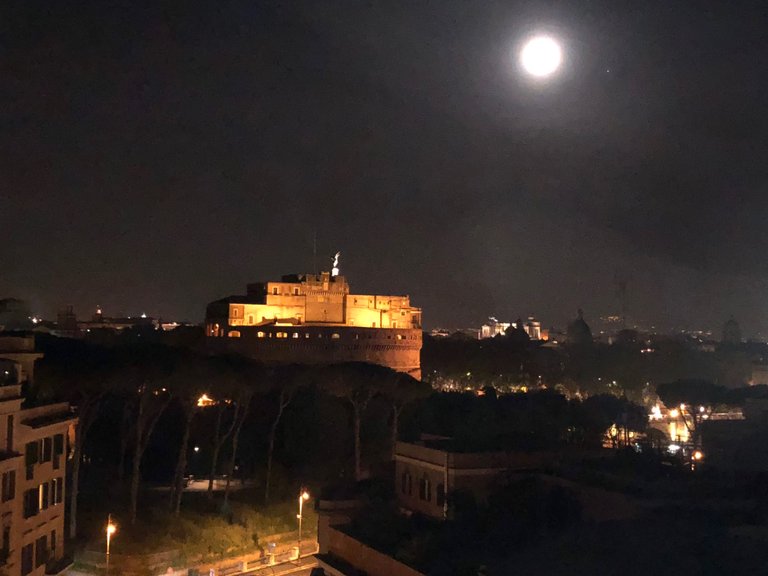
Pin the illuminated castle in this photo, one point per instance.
(313, 319)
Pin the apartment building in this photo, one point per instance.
(33, 454)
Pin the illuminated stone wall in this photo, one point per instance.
(397, 349)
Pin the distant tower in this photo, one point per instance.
(578, 332)
(731, 332)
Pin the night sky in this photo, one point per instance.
(153, 159)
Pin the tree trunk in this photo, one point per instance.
(74, 481)
(177, 488)
(271, 448)
(357, 415)
(235, 439)
(86, 416)
(218, 442)
(395, 424)
(144, 426)
(135, 473)
(216, 448)
(125, 425)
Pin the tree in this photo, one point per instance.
(613, 414)
(143, 378)
(189, 383)
(288, 381)
(243, 401)
(695, 400)
(357, 383)
(79, 374)
(228, 384)
(401, 390)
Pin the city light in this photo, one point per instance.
(303, 497)
(205, 400)
(110, 530)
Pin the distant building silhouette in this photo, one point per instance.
(731, 332)
(14, 314)
(579, 333)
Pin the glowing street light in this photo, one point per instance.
(111, 529)
(541, 56)
(303, 497)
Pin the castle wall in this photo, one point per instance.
(397, 349)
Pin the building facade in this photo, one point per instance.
(314, 319)
(33, 455)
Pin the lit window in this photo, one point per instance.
(425, 489)
(306, 335)
(335, 336)
(295, 334)
(281, 335)
(234, 334)
(259, 334)
(399, 336)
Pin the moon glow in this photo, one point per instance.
(541, 56)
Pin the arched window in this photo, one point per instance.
(335, 336)
(259, 334)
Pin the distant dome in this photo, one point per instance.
(731, 332)
(579, 332)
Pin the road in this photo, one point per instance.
(285, 569)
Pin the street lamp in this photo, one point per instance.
(303, 497)
(111, 529)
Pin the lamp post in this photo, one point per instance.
(111, 529)
(303, 497)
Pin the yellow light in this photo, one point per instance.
(305, 495)
(205, 400)
(674, 413)
(697, 455)
(111, 529)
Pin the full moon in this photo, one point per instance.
(541, 56)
